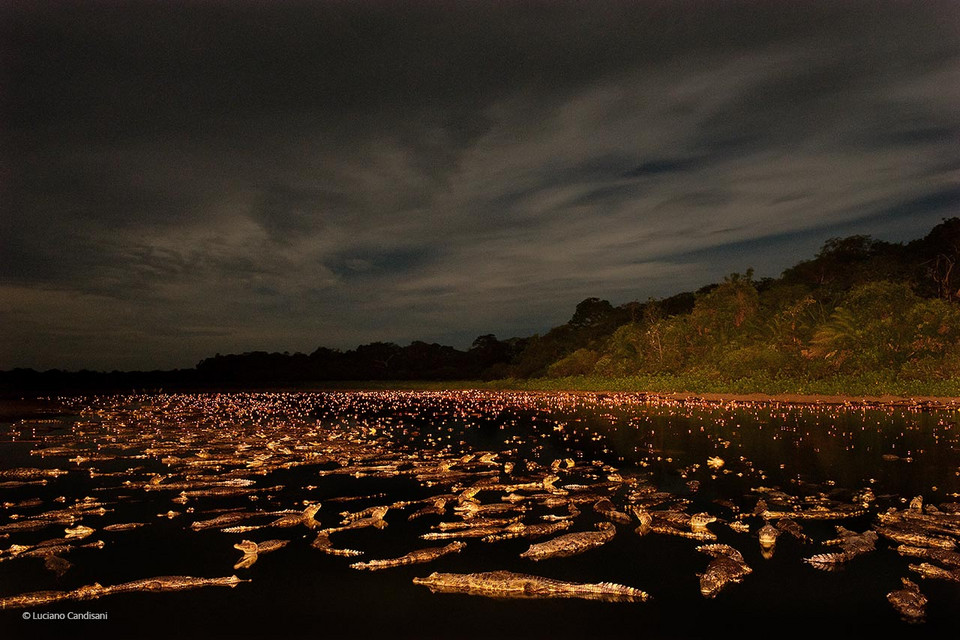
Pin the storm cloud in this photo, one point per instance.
(181, 179)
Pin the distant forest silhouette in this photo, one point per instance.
(860, 306)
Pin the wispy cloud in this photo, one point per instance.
(277, 185)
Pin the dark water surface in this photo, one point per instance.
(351, 451)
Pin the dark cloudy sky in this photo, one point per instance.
(184, 178)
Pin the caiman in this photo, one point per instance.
(227, 519)
(607, 509)
(571, 544)
(840, 512)
(57, 564)
(768, 536)
(916, 538)
(375, 512)
(419, 556)
(572, 512)
(852, 544)
(306, 518)
(702, 536)
(469, 510)
(125, 526)
(437, 507)
(506, 584)
(520, 530)
(768, 540)
(927, 570)
(472, 532)
(699, 522)
(252, 550)
(79, 532)
(31, 473)
(727, 566)
(680, 523)
(16, 484)
(173, 583)
(791, 526)
(951, 558)
(909, 602)
(322, 542)
(472, 524)
(96, 590)
(646, 520)
(375, 519)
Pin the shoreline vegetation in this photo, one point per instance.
(840, 388)
(862, 319)
(835, 391)
(838, 391)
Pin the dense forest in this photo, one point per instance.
(860, 307)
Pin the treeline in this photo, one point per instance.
(859, 307)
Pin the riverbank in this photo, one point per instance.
(833, 391)
(12, 409)
(838, 391)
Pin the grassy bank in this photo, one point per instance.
(846, 386)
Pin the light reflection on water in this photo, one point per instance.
(350, 451)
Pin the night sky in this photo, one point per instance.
(179, 179)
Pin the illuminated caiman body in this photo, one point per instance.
(31, 473)
(374, 519)
(322, 542)
(792, 527)
(915, 528)
(909, 602)
(50, 551)
(571, 544)
(473, 532)
(607, 509)
(370, 512)
(289, 519)
(852, 544)
(916, 538)
(475, 524)
(768, 535)
(252, 550)
(65, 517)
(124, 526)
(228, 519)
(96, 590)
(437, 507)
(682, 524)
(951, 558)
(520, 530)
(727, 566)
(839, 512)
(506, 584)
(419, 556)
(927, 570)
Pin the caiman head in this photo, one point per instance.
(432, 579)
(310, 512)
(710, 584)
